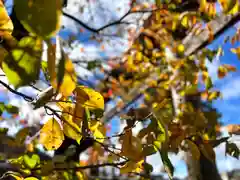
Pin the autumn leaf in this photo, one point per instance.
(68, 77)
(22, 64)
(95, 127)
(51, 135)
(236, 51)
(5, 21)
(40, 17)
(88, 97)
(131, 146)
(229, 6)
(70, 128)
(224, 69)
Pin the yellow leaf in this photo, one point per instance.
(193, 149)
(213, 95)
(236, 51)
(95, 128)
(70, 128)
(148, 43)
(69, 80)
(90, 98)
(221, 72)
(5, 21)
(131, 146)
(229, 6)
(16, 177)
(40, 17)
(51, 135)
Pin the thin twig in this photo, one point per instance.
(26, 97)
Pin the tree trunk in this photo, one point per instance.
(203, 169)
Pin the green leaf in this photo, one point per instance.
(190, 90)
(233, 150)
(31, 162)
(22, 64)
(39, 17)
(208, 83)
(167, 164)
(51, 135)
(93, 64)
(12, 109)
(2, 108)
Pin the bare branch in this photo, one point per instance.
(26, 97)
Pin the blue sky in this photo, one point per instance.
(229, 85)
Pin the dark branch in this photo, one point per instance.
(26, 97)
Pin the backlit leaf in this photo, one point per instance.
(89, 98)
(5, 21)
(51, 135)
(22, 64)
(41, 17)
(70, 128)
(67, 76)
(31, 161)
(236, 51)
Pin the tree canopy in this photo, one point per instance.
(166, 65)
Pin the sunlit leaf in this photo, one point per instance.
(67, 76)
(94, 127)
(70, 128)
(31, 161)
(89, 98)
(5, 21)
(40, 17)
(22, 64)
(229, 6)
(236, 51)
(51, 135)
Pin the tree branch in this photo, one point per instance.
(192, 44)
(26, 97)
